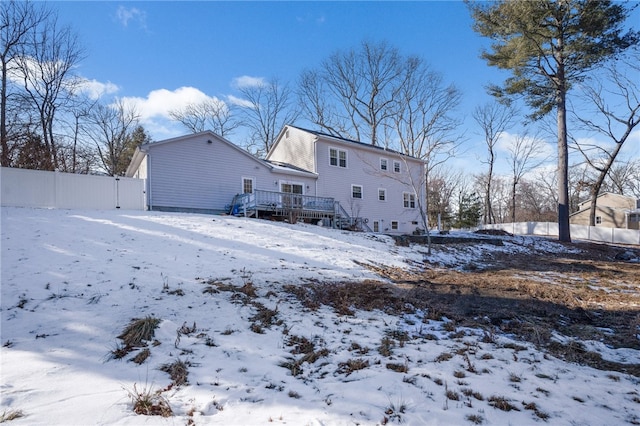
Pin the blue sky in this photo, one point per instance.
(163, 54)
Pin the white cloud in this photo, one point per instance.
(125, 14)
(95, 89)
(155, 107)
(239, 101)
(248, 81)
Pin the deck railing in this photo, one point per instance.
(279, 202)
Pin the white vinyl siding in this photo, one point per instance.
(190, 174)
(363, 169)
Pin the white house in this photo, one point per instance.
(307, 175)
(382, 187)
(203, 172)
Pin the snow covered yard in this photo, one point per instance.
(241, 334)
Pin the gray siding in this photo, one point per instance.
(193, 174)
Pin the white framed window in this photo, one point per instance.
(248, 185)
(394, 225)
(598, 220)
(337, 157)
(382, 194)
(376, 226)
(384, 164)
(409, 200)
(356, 191)
(396, 167)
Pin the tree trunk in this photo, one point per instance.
(513, 200)
(564, 231)
(4, 143)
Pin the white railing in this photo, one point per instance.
(37, 188)
(578, 232)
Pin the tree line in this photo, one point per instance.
(574, 59)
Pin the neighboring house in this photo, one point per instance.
(612, 211)
(384, 188)
(203, 172)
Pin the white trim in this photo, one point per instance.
(385, 194)
(386, 164)
(253, 183)
(338, 152)
(353, 185)
(412, 200)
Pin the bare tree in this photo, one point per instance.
(18, 20)
(624, 178)
(111, 130)
(617, 107)
(48, 80)
(210, 114)
(524, 156)
(268, 107)
(493, 118)
(352, 92)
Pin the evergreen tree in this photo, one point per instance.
(549, 46)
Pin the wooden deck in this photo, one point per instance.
(270, 203)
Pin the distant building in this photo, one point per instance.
(612, 211)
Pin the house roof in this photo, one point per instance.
(143, 150)
(349, 141)
(608, 194)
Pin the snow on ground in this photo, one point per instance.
(73, 280)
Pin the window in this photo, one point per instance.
(247, 185)
(394, 225)
(376, 226)
(356, 191)
(337, 157)
(409, 200)
(383, 164)
(382, 194)
(396, 167)
(598, 220)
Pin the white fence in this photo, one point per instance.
(36, 188)
(578, 232)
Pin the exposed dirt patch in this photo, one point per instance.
(585, 295)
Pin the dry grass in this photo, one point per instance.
(138, 331)
(352, 365)
(9, 415)
(135, 335)
(149, 403)
(178, 371)
(523, 294)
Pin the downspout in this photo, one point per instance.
(149, 198)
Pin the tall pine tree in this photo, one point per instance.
(549, 46)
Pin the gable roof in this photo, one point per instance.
(342, 140)
(142, 151)
(608, 194)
